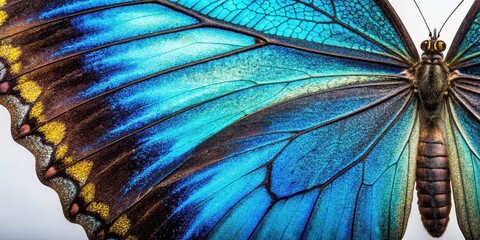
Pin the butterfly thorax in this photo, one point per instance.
(432, 173)
(431, 76)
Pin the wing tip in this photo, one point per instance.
(468, 20)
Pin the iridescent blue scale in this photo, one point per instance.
(232, 119)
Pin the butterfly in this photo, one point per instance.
(238, 131)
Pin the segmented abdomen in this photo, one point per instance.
(433, 180)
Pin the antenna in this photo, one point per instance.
(449, 17)
(425, 21)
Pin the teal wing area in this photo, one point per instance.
(463, 130)
(465, 50)
(155, 119)
(463, 121)
(362, 29)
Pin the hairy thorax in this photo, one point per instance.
(431, 80)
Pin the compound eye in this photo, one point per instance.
(425, 46)
(440, 46)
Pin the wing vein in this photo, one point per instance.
(398, 56)
(169, 176)
(145, 79)
(73, 55)
(91, 10)
(453, 123)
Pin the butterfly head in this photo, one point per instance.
(433, 46)
(432, 50)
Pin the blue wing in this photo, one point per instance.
(260, 177)
(464, 52)
(463, 130)
(162, 119)
(463, 121)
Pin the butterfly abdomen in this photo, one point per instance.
(433, 180)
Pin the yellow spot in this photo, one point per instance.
(36, 111)
(131, 238)
(88, 192)
(15, 68)
(8, 52)
(54, 132)
(68, 160)
(3, 16)
(29, 90)
(22, 79)
(121, 226)
(3, 3)
(80, 171)
(100, 208)
(61, 151)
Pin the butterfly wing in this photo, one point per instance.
(199, 118)
(464, 52)
(290, 178)
(463, 123)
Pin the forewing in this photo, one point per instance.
(463, 123)
(150, 119)
(465, 50)
(362, 29)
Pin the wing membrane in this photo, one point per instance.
(199, 122)
(463, 131)
(462, 124)
(191, 195)
(351, 28)
(18, 16)
(463, 53)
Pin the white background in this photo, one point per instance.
(29, 210)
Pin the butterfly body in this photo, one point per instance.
(432, 173)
